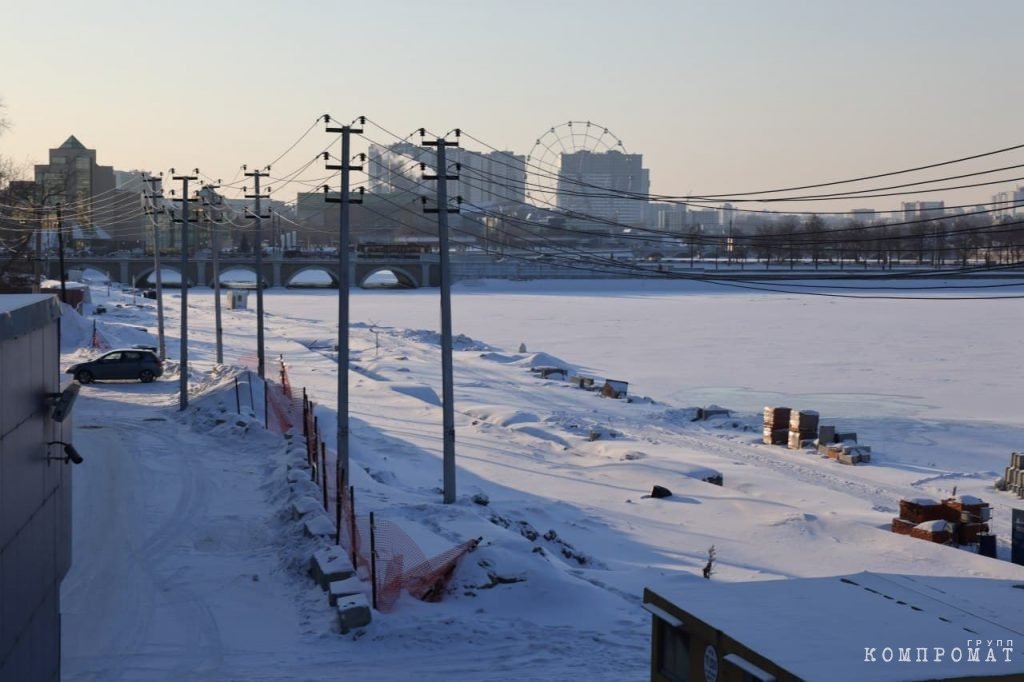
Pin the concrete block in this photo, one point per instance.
(303, 506)
(339, 589)
(353, 612)
(330, 565)
(295, 474)
(317, 526)
(305, 488)
(846, 435)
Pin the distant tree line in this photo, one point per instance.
(958, 240)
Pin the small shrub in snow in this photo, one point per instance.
(709, 567)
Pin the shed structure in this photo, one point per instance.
(865, 627)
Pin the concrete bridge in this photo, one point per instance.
(277, 271)
(424, 271)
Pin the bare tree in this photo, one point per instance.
(15, 235)
(7, 166)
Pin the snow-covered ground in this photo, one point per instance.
(187, 566)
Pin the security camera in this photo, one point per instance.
(64, 401)
(71, 454)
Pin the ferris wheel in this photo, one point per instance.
(544, 163)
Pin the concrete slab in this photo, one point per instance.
(338, 589)
(296, 475)
(330, 565)
(305, 488)
(303, 506)
(318, 526)
(353, 612)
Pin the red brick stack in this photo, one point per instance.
(957, 520)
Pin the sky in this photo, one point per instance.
(719, 97)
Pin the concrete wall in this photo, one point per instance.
(35, 495)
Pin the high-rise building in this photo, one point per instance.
(585, 176)
(485, 179)
(98, 211)
(921, 210)
(73, 178)
(1018, 201)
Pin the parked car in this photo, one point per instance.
(122, 363)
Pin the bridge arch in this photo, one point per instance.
(85, 268)
(405, 279)
(291, 277)
(239, 267)
(142, 281)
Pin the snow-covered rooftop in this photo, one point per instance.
(820, 628)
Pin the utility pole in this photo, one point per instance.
(208, 205)
(60, 254)
(157, 193)
(183, 368)
(343, 288)
(256, 175)
(447, 383)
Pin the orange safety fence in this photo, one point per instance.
(98, 339)
(392, 558)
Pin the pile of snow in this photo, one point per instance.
(417, 391)
(459, 341)
(75, 330)
(544, 360)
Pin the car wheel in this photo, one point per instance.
(84, 376)
(146, 376)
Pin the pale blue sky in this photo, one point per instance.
(718, 96)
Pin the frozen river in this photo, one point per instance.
(696, 344)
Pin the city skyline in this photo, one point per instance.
(738, 96)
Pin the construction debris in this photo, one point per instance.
(580, 381)
(547, 372)
(705, 413)
(615, 389)
(845, 453)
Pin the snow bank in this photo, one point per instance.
(501, 415)
(544, 360)
(459, 341)
(418, 391)
(75, 330)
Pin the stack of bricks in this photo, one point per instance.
(957, 520)
(803, 425)
(972, 515)
(776, 425)
(1013, 477)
